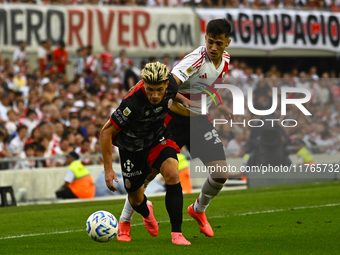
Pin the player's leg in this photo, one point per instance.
(140, 204)
(124, 226)
(174, 200)
(208, 147)
(134, 177)
(212, 185)
(127, 213)
(164, 157)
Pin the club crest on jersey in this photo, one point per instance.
(158, 109)
(190, 70)
(126, 111)
(147, 113)
(224, 76)
(170, 103)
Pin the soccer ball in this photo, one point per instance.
(102, 226)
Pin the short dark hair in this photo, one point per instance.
(73, 155)
(40, 148)
(61, 43)
(21, 127)
(218, 26)
(29, 146)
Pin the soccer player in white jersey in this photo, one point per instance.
(206, 65)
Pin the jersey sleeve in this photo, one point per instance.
(124, 113)
(173, 84)
(188, 66)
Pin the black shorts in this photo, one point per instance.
(136, 165)
(198, 134)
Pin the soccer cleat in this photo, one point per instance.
(150, 222)
(179, 239)
(124, 231)
(201, 220)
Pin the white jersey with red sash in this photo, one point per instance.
(199, 76)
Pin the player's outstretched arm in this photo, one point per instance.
(228, 114)
(106, 134)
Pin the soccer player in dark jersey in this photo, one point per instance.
(139, 129)
(206, 65)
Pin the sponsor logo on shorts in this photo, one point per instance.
(132, 174)
(126, 111)
(127, 184)
(190, 70)
(128, 165)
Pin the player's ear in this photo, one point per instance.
(229, 40)
(206, 39)
(167, 83)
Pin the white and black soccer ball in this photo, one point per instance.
(102, 226)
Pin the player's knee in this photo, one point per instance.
(169, 171)
(171, 177)
(136, 200)
(220, 179)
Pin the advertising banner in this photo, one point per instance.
(278, 29)
(139, 30)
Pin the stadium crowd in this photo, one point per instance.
(327, 5)
(44, 113)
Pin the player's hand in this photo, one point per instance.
(186, 102)
(228, 114)
(109, 177)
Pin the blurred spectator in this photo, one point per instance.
(16, 145)
(20, 53)
(5, 65)
(11, 83)
(84, 151)
(62, 150)
(60, 57)
(79, 63)
(4, 153)
(166, 61)
(235, 145)
(313, 73)
(4, 106)
(42, 56)
(130, 77)
(106, 59)
(90, 60)
(35, 136)
(40, 152)
(119, 64)
(30, 121)
(11, 124)
(27, 153)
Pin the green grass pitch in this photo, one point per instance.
(294, 219)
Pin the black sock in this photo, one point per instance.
(174, 206)
(142, 208)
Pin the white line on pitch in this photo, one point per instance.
(189, 219)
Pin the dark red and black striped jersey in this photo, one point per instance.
(141, 123)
